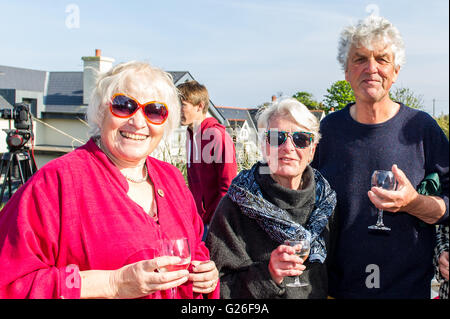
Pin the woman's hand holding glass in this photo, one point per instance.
(302, 248)
(143, 278)
(176, 247)
(204, 276)
(285, 263)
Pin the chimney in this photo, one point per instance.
(274, 98)
(92, 66)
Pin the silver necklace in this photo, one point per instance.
(129, 178)
(138, 180)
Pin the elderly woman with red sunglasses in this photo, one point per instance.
(90, 224)
(280, 198)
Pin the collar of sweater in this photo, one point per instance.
(285, 198)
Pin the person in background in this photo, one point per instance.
(377, 133)
(279, 198)
(89, 224)
(211, 155)
(441, 260)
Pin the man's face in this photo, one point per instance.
(190, 113)
(371, 73)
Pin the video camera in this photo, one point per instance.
(18, 137)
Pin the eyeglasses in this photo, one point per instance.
(124, 106)
(300, 139)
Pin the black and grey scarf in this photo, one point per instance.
(276, 222)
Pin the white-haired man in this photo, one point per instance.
(376, 133)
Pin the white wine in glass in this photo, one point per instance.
(303, 253)
(385, 180)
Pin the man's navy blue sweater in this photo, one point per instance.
(366, 264)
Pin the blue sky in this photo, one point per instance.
(243, 51)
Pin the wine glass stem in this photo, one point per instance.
(380, 217)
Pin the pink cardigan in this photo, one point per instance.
(74, 214)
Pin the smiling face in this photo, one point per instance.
(371, 73)
(130, 140)
(287, 162)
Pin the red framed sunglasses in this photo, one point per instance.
(125, 106)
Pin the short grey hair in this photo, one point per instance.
(133, 76)
(290, 108)
(373, 29)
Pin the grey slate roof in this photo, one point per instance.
(177, 75)
(4, 104)
(22, 79)
(253, 113)
(234, 113)
(65, 88)
(65, 91)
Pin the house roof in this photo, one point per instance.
(253, 113)
(65, 88)
(63, 91)
(4, 103)
(319, 114)
(236, 113)
(177, 75)
(22, 79)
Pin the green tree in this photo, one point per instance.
(443, 123)
(307, 99)
(407, 97)
(339, 95)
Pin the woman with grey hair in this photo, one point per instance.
(393, 260)
(280, 198)
(91, 224)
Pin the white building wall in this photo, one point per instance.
(61, 132)
(4, 124)
(67, 133)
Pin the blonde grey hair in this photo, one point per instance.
(367, 32)
(133, 76)
(289, 108)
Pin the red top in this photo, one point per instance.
(74, 214)
(211, 165)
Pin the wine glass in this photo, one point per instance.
(180, 248)
(303, 253)
(385, 180)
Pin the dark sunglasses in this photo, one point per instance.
(124, 106)
(300, 139)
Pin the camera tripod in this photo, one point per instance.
(12, 162)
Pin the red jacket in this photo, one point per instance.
(211, 165)
(74, 214)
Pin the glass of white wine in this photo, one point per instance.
(303, 253)
(385, 180)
